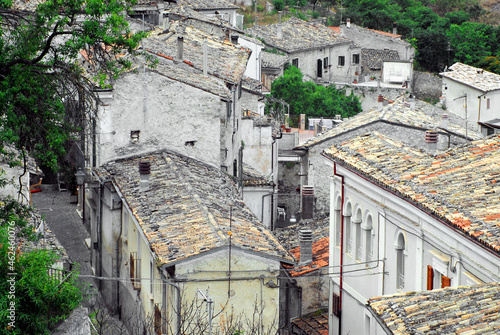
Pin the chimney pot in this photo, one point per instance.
(348, 23)
(180, 48)
(431, 137)
(234, 39)
(305, 240)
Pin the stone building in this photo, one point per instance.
(321, 54)
(473, 94)
(176, 230)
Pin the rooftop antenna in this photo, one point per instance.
(209, 302)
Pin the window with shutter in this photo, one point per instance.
(430, 277)
(445, 282)
(336, 305)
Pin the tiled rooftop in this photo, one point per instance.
(187, 209)
(320, 258)
(472, 76)
(373, 31)
(424, 116)
(252, 177)
(312, 324)
(460, 187)
(271, 60)
(298, 35)
(188, 12)
(208, 4)
(225, 60)
(373, 59)
(460, 310)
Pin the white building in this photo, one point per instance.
(474, 94)
(403, 220)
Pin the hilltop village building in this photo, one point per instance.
(409, 221)
(321, 54)
(474, 94)
(173, 227)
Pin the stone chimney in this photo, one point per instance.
(234, 39)
(144, 172)
(412, 102)
(279, 33)
(306, 249)
(394, 28)
(348, 23)
(180, 48)
(380, 101)
(444, 121)
(431, 137)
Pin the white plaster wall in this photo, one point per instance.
(210, 272)
(167, 114)
(397, 72)
(258, 146)
(254, 62)
(258, 200)
(476, 102)
(392, 215)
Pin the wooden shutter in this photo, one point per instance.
(430, 277)
(336, 305)
(445, 281)
(132, 269)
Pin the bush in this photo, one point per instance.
(278, 4)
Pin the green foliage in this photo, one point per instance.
(44, 93)
(311, 99)
(490, 63)
(279, 4)
(471, 41)
(40, 301)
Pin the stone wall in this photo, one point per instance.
(426, 85)
(78, 323)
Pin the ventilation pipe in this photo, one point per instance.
(144, 171)
(180, 48)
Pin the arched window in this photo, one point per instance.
(357, 227)
(368, 232)
(400, 259)
(338, 221)
(348, 228)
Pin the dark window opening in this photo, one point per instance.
(295, 62)
(341, 60)
(355, 59)
(319, 72)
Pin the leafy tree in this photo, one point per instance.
(490, 63)
(44, 92)
(376, 14)
(31, 301)
(471, 41)
(311, 99)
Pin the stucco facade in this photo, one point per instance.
(380, 237)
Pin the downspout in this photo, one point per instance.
(341, 239)
(272, 174)
(118, 265)
(479, 106)
(176, 286)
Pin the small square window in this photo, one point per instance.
(341, 60)
(325, 62)
(355, 58)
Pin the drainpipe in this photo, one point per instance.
(341, 239)
(118, 265)
(176, 286)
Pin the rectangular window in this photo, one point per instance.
(135, 269)
(355, 58)
(338, 223)
(319, 70)
(341, 60)
(359, 246)
(336, 305)
(295, 62)
(488, 103)
(325, 62)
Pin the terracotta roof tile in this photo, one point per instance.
(320, 257)
(460, 310)
(457, 188)
(186, 210)
(312, 324)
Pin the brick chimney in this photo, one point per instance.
(144, 172)
(431, 137)
(306, 249)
